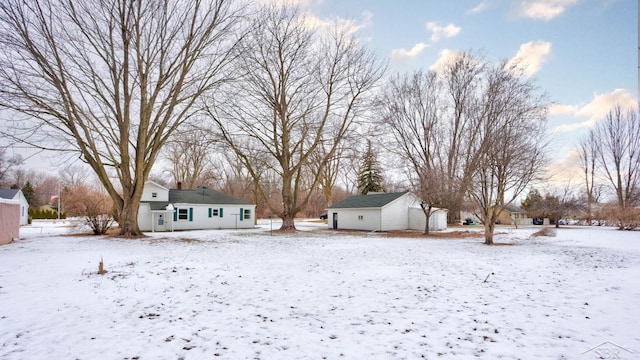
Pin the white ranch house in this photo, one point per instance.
(383, 212)
(163, 209)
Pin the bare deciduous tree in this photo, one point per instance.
(411, 107)
(74, 175)
(510, 146)
(93, 205)
(329, 172)
(433, 126)
(618, 155)
(190, 154)
(588, 152)
(613, 147)
(7, 164)
(299, 88)
(111, 81)
(463, 80)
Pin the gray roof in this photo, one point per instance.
(203, 195)
(8, 193)
(156, 205)
(514, 209)
(367, 201)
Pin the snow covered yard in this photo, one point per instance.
(319, 294)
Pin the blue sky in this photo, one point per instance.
(582, 53)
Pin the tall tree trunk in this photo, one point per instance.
(426, 209)
(129, 219)
(489, 226)
(288, 203)
(287, 221)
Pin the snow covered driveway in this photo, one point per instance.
(320, 294)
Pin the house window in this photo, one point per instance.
(183, 214)
(214, 212)
(247, 214)
(360, 217)
(154, 195)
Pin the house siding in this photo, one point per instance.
(395, 215)
(24, 209)
(198, 217)
(437, 220)
(349, 219)
(9, 220)
(150, 188)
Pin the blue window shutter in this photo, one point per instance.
(210, 210)
(190, 214)
(175, 214)
(241, 214)
(220, 212)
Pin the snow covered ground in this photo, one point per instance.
(319, 294)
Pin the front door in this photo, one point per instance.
(160, 225)
(335, 221)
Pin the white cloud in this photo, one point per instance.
(543, 9)
(562, 109)
(479, 8)
(439, 32)
(351, 25)
(446, 57)
(530, 57)
(595, 110)
(301, 3)
(399, 54)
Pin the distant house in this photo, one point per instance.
(16, 194)
(383, 212)
(514, 215)
(163, 209)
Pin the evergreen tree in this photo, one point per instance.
(532, 202)
(29, 193)
(370, 174)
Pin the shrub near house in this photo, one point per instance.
(45, 213)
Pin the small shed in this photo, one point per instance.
(383, 212)
(17, 195)
(9, 220)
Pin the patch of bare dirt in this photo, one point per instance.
(458, 234)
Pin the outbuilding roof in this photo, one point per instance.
(377, 200)
(8, 193)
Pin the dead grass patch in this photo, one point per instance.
(462, 234)
(545, 231)
(178, 240)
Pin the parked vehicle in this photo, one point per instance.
(469, 221)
